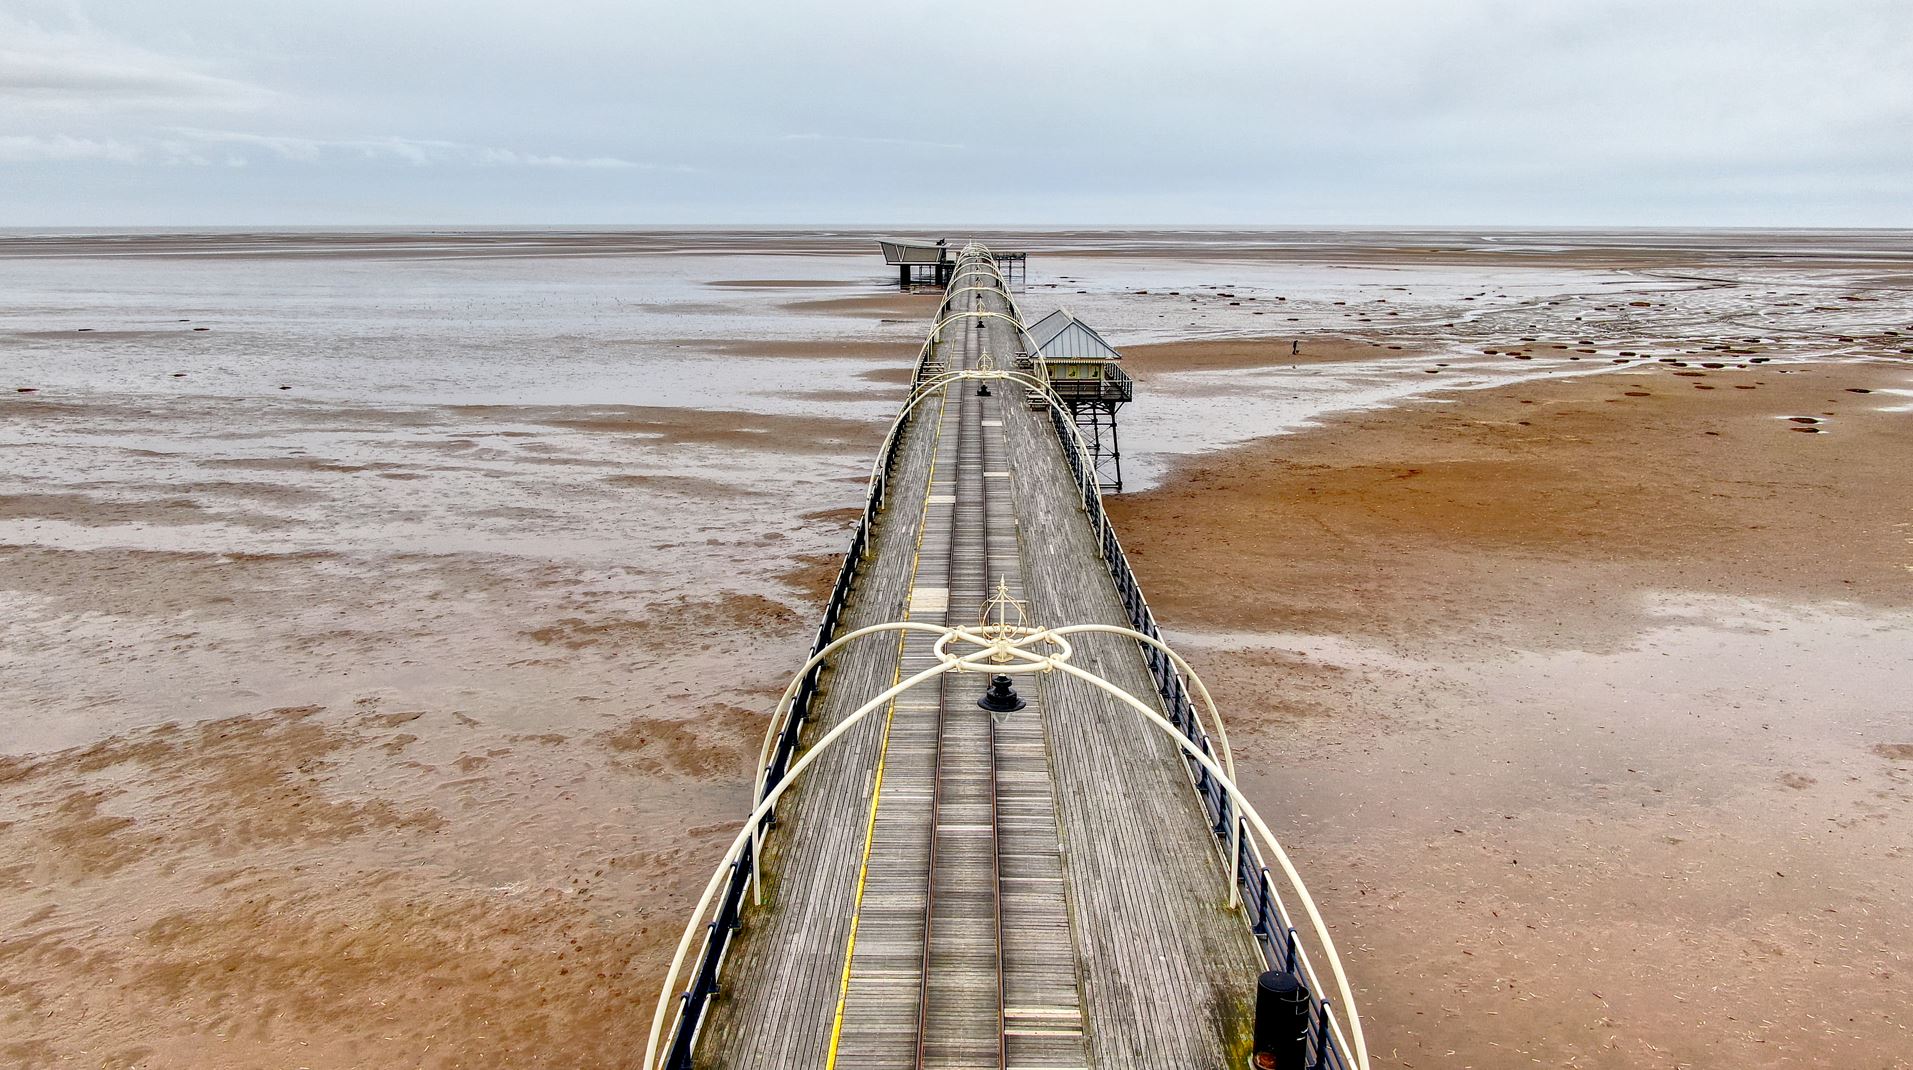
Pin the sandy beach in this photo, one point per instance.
(385, 662)
(1589, 698)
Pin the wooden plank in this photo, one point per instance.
(1074, 913)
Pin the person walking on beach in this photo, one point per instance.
(1295, 347)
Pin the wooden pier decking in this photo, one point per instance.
(954, 888)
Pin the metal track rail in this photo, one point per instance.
(936, 777)
(992, 519)
(953, 1028)
(996, 892)
(992, 512)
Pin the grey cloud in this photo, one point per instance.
(891, 142)
(26, 75)
(1071, 111)
(419, 151)
(29, 148)
(184, 145)
(78, 70)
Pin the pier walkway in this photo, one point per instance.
(947, 886)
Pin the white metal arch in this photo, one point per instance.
(968, 289)
(744, 835)
(981, 265)
(977, 313)
(935, 337)
(982, 659)
(780, 718)
(919, 394)
(979, 261)
(978, 267)
(1359, 1050)
(1002, 289)
(964, 267)
(930, 386)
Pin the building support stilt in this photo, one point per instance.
(1097, 421)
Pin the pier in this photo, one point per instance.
(928, 263)
(1064, 878)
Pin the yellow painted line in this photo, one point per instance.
(883, 751)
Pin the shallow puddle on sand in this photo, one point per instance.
(1191, 413)
(1687, 849)
(639, 330)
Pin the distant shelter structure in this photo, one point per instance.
(914, 260)
(919, 262)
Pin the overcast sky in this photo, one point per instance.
(1435, 112)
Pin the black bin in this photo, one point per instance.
(1282, 1012)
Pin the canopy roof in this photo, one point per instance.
(912, 251)
(1061, 336)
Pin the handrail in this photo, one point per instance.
(1213, 781)
(780, 724)
(1208, 763)
(1263, 905)
(937, 330)
(782, 744)
(783, 734)
(733, 861)
(978, 269)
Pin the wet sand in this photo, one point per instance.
(915, 306)
(301, 777)
(367, 724)
(1236, 353)
(1585, 702)
(1643, 248)
(1763, 480)
(893, 353)
(394, 718)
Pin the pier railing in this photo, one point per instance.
(1268, 919)
(695, 1001)
(1114, 385)
(725, 920)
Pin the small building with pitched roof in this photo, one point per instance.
(1084, 372)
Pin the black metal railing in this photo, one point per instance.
(1272, 933)
(695, 1000)
(1113, 385)
(1259, 900)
